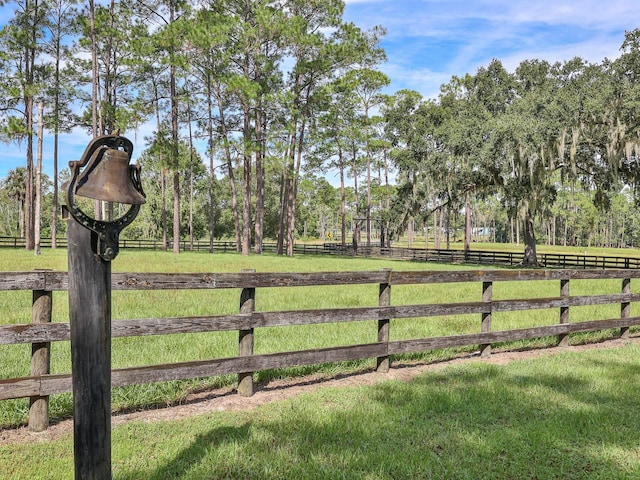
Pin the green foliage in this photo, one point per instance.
(522, 138)
(291, 86)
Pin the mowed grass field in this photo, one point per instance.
(563, 416)
(476, 421)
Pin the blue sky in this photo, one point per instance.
(429, 41)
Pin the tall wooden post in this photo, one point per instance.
(90, 324)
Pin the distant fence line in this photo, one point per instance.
(484, 257)
(40, 384)
(142, 244)
(476, 257)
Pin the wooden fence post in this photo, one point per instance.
(487, 288)
(40, 360)
(625, 307)
(563, 339)
(245, 339)
(384, 300)
(90, 333)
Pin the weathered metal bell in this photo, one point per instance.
(110, 178)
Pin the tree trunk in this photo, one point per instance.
(29, 214)
(287, 192)
(511, 234)
(211, 169)
(176, 185)
(436, 230)
(21, 218)
(175, 161)
(211, 204)
(163, 192)
(163, 177)
(191, 179)
(426, 234)
(343, 203)
(448, 229)
(191, 195)
(247, 164)
(356, 232)
(95, 73)
(227, 153)
(410, 233)
(260, 182)
(388, 200)
(56, 141)
(530, 256)
(176, 212)
(56, 201)
(368, 212)
(282, 209)
(286, 226)
(38, 185)
(467, 223)
(291, 227)
(107, 118)
(291, 184)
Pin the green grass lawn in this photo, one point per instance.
(565, 416)
(15, 307)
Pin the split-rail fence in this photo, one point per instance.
(40, 332)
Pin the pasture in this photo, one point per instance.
(190, 454)
(151, 350)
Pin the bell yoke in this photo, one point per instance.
(106, 176)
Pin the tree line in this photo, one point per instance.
(254, 102)
(555, 144)
(229, 85)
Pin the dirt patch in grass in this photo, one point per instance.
(226, 399)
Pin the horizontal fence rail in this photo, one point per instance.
(41, 331)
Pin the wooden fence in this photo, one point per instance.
(40, 332)
(124, 243)
(476, 257)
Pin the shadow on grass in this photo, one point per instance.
(201, 447)
(569, 417)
